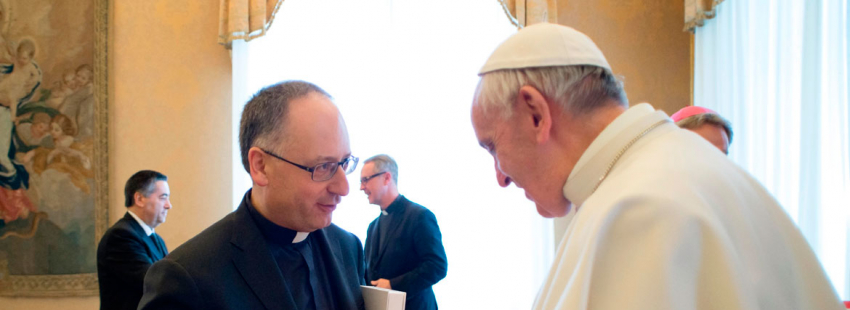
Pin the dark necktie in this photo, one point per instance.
(160, 246)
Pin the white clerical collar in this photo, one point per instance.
(601, 153)
(148, 230)
(300, 236)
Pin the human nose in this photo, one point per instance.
(503, 179)
(168, 204)
(339, 183)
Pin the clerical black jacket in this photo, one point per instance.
(405, 246)
(231, 265)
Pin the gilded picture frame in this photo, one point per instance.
(53, 121)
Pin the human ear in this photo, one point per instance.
(537, 112)
(137, 199)
(257, 166)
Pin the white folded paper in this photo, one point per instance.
(382, 299)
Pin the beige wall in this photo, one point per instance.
(169, 110)
(644, 42)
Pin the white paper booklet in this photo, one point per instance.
(382, 299)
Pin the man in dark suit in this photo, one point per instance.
(404, 247)
(129, 247)
(278, 250)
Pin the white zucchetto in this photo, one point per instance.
(545, 45)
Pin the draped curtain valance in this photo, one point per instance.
(245, 19)
(697, 11)
(527, 12)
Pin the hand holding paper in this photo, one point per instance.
(382, 283)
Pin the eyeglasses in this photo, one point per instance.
(366, 179)
(324, 171)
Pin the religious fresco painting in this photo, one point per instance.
(52, 146)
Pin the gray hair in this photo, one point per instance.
(695, 121)
(263, 116)
(386, 163)
(578, 89)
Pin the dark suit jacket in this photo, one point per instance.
(229, 266)
(123, 256)
(412, 256)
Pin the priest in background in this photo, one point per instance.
(662, 220)
(404, 247)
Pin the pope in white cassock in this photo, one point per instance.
(663, 220)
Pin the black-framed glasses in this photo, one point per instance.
(366, 179)
(324, 171)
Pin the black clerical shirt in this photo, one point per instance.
(298, 263)
(385, 220)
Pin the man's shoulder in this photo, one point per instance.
(118, 237)
(417, 209)
(674, 161)
(122, 228)
(211, 241)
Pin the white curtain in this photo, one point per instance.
(403, 75)
(778, 70)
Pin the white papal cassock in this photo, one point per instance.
(676, 225)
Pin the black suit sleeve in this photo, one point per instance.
(428, 244)
(126, 258)
(169, 286)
